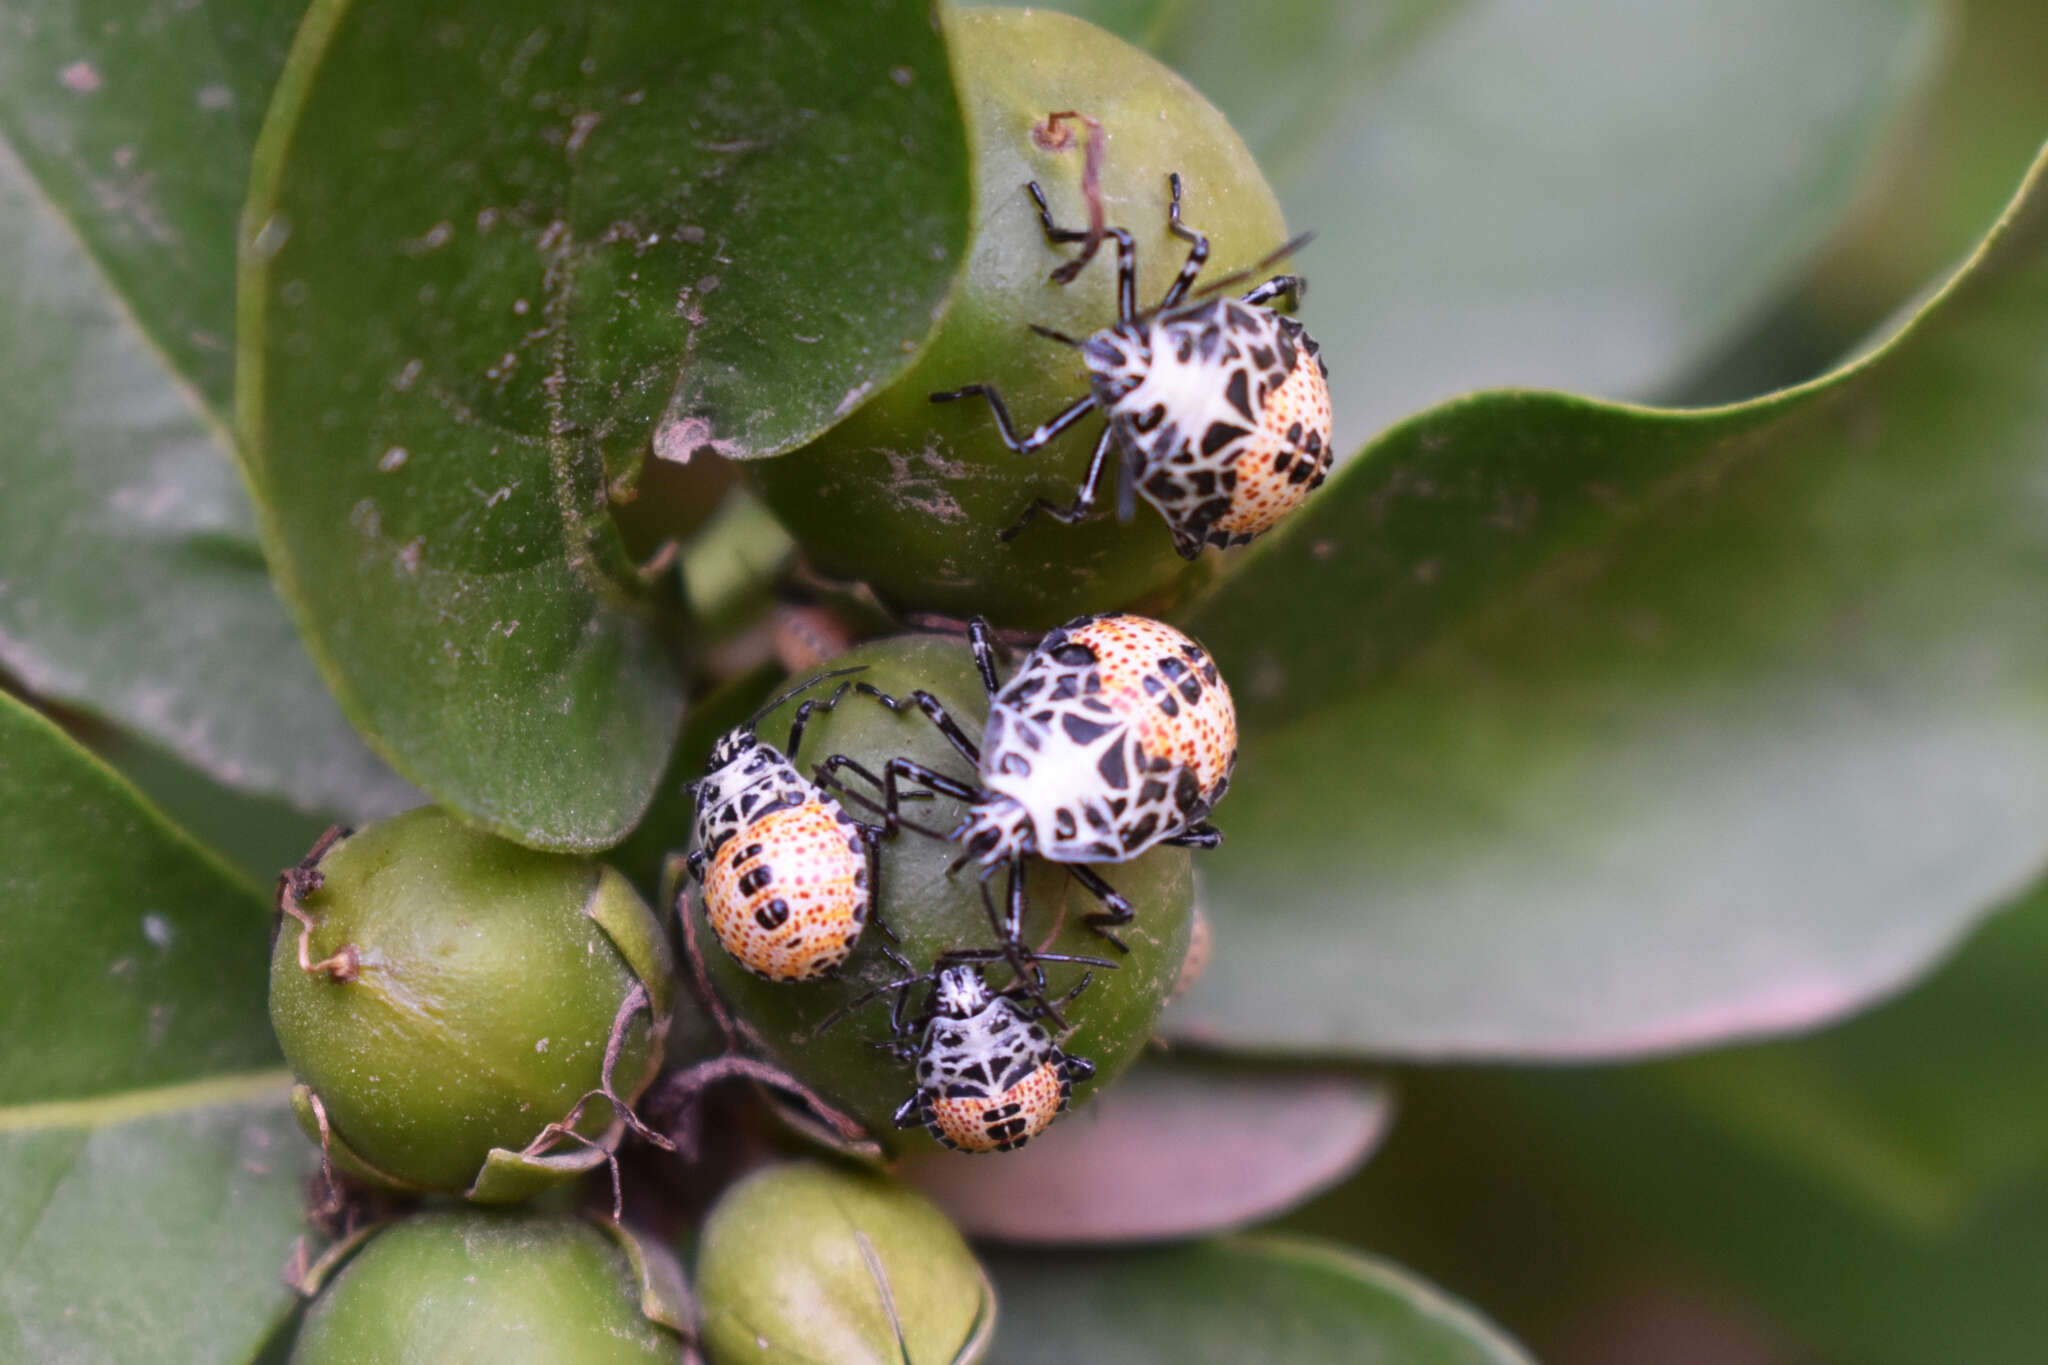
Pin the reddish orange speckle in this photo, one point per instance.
(803, 917)
(1006, 1120)
(1266, 487)
(1201, 735)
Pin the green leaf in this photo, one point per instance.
(1578, 729)
(1945, 171)
(1579, 194)
(1172, 1150)
(150, 1174)
(666, 829)
(258, 836)
(130, 582)
(131, 585)
(492, 254)
(1875, 1193)
(150, 1230)
(1927, 1111)
(1252, 1298)
(137, 120)
(129, 956)
(1908, 1148)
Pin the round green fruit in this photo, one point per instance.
(933, 910)
(501, 1286)
(446, 996)
(805, 1263)
(908, 496)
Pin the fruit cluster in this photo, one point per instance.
(895, 913)
(1115, 735)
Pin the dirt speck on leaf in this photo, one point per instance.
(852, 398)
(676, 441)
(915, 482)
(433, 239)
(580, 129)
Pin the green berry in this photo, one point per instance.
(461, 996)
(806, 1263)
(907, 496)
(932, 910)
(507, 1287)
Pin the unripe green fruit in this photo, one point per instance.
(499, 1286)
(908, 496)
(807, 1263)
(932, 912)
(476, 985)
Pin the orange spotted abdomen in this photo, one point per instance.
(1167, 686)
(998, 1123)
(1287, 455)
(788, 894)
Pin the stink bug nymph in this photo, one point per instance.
(788, 876)
(1116, 733)
(1220, 407)
(990, 1077)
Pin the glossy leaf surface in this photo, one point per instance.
(150, 1175)
(130, 581)
(1245, 1299)
(137, 121)
(1495, 188)
(149, 1228)
(1172, 1150)
(1877, 1192)
(1925, 1113)
(1579, 729)
(129, 956)
(493, 255)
